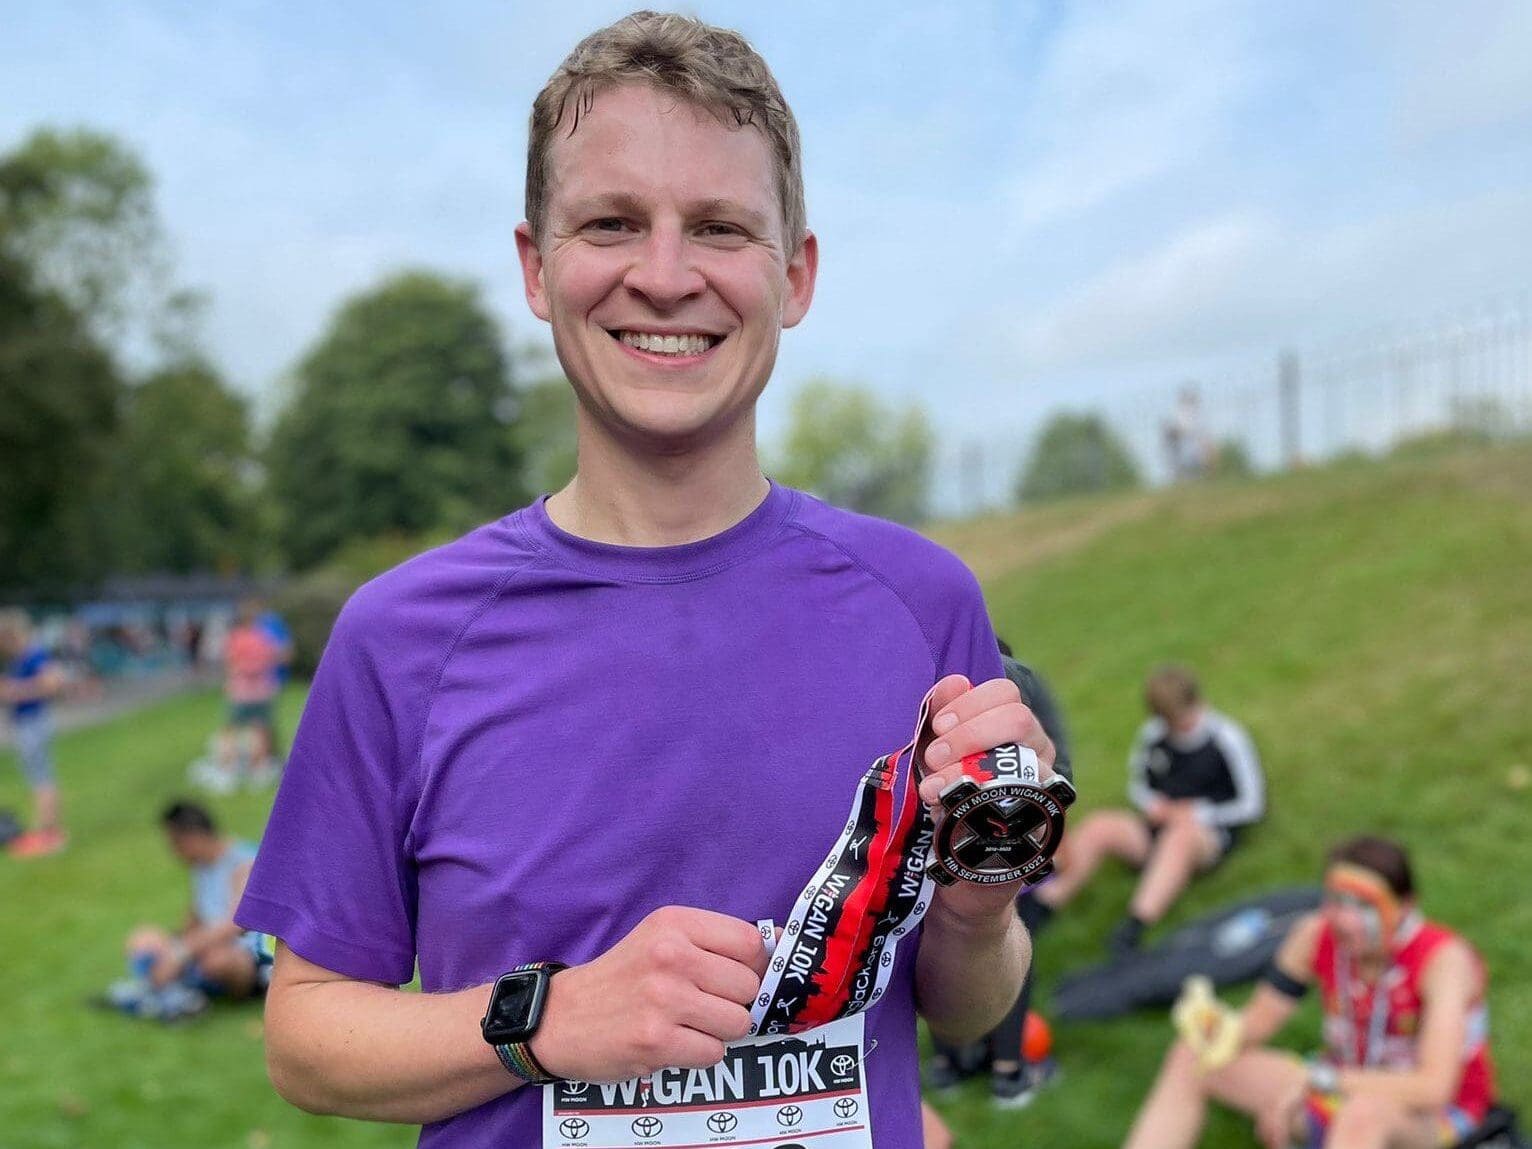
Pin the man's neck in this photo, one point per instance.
(629, 499)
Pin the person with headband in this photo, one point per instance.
(1406, 1062)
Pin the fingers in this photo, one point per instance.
(945, 692)
(715, 1017)
(989, 715)
(726, 979)
(968, 702)
(716, 933)
(1006, 720)
(692, 1049)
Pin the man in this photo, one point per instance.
(30, 683)
(174, 973)
(618, 730)
(1013, 1080)
(1195, 779)
(1406, 1062)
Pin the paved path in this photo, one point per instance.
(121, 696)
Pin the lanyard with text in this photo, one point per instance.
(838, 947)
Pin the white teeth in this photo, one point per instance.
(667, 344)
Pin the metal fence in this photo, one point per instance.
(1468, 373)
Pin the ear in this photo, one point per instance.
(802, 271)
(531, 271)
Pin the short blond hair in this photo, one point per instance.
(714, 68)
(1171, 691)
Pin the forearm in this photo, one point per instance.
(1414, 1089)
(968, 973)
(354, 1049)
(1264, 1016)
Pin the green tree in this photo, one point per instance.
(1076, 455)
(59, 395)
(1231, 460)
(77, 208)
(183, 490)
(854, 451)
(544, 430)
(399, 421)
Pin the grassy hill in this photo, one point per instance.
(1370, 622)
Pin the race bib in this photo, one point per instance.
(805, 1090)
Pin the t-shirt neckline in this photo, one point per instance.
(661, 564)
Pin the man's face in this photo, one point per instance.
(663, 268)
(1361, 909)
(186, 845)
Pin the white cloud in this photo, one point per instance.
(1463, 68)
(1252, 283)
(1128, 94)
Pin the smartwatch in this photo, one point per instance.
(515, 1012)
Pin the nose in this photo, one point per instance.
(663, 270)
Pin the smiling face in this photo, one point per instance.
(663, 270)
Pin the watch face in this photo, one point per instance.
(515, 1007)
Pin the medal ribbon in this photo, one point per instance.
(839, 944)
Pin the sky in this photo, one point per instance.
(1021, 206)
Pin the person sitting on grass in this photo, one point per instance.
(174, 973)
(1195, 779)
(1406, 1062)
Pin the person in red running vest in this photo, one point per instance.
(1406, 1061)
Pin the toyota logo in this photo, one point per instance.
(647, 1126)
(576, 1088)
(842, 1064)
(721, 1122)
(574, 1128)
(789, 1115)
(845, 1107)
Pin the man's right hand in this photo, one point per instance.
(671, 993)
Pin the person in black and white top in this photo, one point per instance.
(1195, 779)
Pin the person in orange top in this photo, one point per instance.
(251, 659)
(1406, 1063)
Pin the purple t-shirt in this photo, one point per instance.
(520, 744)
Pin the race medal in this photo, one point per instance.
(1004, 827)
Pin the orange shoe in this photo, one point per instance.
(38, 843)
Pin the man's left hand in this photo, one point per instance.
(969, 720)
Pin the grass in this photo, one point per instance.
(1371, 623)
(71, 1077)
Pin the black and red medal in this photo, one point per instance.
(1002, 823)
